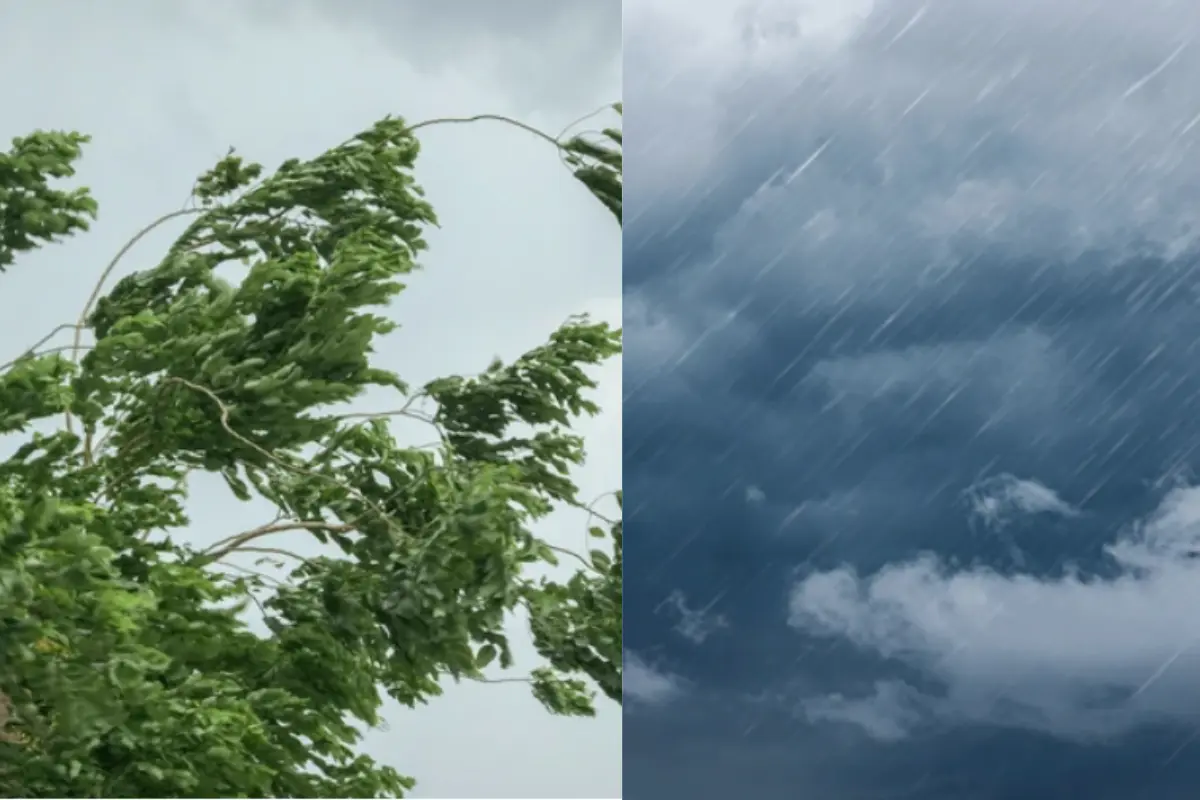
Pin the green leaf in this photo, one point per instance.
(600, 560)
(485, 656)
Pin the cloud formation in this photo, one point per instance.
(996, 500)
(940, 126)
(693, 624)
(922, 272)
(646, 685)
(885, 715)
(1077, 655)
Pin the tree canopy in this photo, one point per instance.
(127, 665)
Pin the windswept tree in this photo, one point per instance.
(127, 666)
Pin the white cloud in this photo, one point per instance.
(165, 89)
(996, 500)
(694, 624)
(647, 685)
(887, 714)
(1018, 375)
(755, 496)
(1077, 656)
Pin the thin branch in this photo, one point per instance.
(400, 412)
(256, 574)
(91, 301)
(277, 551)
(562, 149)
(224, 420)
(238, 541)
(404, 411)
(481, 117)
(274, 526)
(592, 513)
(407, 412)
(32, 350)
(62, 348)
(560, 146)
(104, 437)
(257, 602)
(568, 552)
(583, 119)
(591, 507)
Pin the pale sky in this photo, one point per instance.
(166, 89)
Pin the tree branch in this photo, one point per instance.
(278, 551)
(224, 420)
(583, 119)
(32, 350)
(91, 301)
(481, 117)
(256, 574)
(238, 541)
(592, 512)
(568, 552)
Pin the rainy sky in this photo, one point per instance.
(912, 452)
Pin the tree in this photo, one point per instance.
(126, 665)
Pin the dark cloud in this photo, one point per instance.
(922, 276)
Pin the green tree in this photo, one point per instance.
(126, 665)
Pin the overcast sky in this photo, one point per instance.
(166, 88)
(911, 430)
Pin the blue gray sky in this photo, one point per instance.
(910, 397)
(166, 88)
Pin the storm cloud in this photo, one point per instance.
(922, 274)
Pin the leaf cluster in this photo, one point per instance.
(127, 665)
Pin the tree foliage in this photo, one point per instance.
(127, 667)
